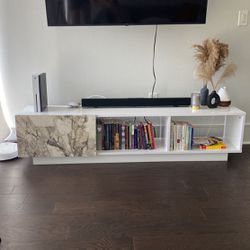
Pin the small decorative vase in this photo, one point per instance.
(225, 99)
(213, 100)
(204, 95)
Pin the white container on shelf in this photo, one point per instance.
(225, 99)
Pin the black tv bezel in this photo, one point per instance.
(205, 2)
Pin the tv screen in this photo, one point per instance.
(125, 12)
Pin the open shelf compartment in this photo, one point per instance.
(159, 123)
(228, 128)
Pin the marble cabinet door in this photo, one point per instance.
(56, 136)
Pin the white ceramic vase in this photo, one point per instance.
(225, 99)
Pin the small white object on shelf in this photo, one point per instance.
(225, 99)
(73, 105)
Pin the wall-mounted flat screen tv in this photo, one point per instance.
(125, 12)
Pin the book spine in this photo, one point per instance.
(175, 136)
(120, 135)
(185, 128)
(123, 137)
(182, 137)
(138, 137)
(116, 137)
(113, 127)
(142, 136)
(189, 137)
(172, 137)
(126, 136)
(151, 135)
(99, 142)
(178, 136)
(111, 137)
(106, 147)
(135, 138)
(192, 137)
(146, 136)
(132, 136)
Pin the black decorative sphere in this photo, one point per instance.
(213, 100)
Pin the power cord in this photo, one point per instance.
(154, 52)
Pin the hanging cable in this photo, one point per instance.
(154, 50)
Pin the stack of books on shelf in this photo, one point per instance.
(208, 143)
(181, 136)
(122, 135)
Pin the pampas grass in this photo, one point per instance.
(229, 71)
(211, 56)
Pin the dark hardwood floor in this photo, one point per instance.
(146, 206)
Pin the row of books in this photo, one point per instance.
(121, 135)
(181, 136)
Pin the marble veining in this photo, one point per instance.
(56, 136)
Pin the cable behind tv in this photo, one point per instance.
(154, 52)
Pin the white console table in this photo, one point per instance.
(63, 135)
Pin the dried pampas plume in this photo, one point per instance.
(211, 56)
(228, 72)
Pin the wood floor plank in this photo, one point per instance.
(179, 205)
(230, 241)
(96, 244)
(10, 204)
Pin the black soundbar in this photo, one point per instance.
(135, 102)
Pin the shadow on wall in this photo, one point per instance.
(5, 121)
(4, 129)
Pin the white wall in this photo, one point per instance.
(113, 61)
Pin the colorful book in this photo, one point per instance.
(116, 137)
(136, 136)
(147, 144)
(132, 136)
(142, 143)
(151, 135)
(126, 136)
(178, 136)
(123, 136)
